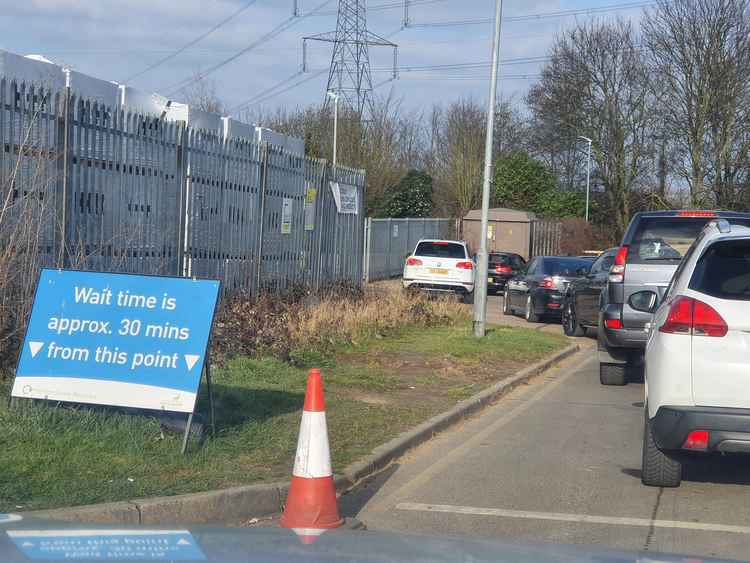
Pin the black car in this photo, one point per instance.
(501, 267)
(583, 298)
(539, 290)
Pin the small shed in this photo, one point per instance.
(508, 230)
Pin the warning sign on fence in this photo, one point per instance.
(287, 209)
(345, 197)
(310, 195)
(116, 339)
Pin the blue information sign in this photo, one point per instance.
(107, 545)
(117, 339)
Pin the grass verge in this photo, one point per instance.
(376, 388)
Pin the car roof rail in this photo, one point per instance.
(723, 225)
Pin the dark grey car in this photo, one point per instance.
(539, 290)
(652, 248)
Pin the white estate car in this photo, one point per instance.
(698, 356)
(441, 266)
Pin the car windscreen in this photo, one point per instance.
(440, 250)
(564, 266)
(724, 270)
(665, 239)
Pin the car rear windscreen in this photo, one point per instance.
(440, 250)
(564, 266)
(512, 260)
(664, 239)
(724, 270)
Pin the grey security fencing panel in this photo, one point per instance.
(100, 188)
(390, 241)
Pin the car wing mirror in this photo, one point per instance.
(644, 301)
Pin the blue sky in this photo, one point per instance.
(115, 39)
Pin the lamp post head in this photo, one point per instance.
(589, 141)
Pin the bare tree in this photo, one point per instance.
(387, 146)
(202, 95)
(457, 155)
(699, 54)
(596, 85)
(511, 129)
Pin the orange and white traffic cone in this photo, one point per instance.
(311, 507)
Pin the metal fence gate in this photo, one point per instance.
(389, 241)
(118, 191)
(545, 237)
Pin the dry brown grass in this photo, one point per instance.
(283, 326)
(378, 312)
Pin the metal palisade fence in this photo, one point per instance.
(113, 190)
(389, 241)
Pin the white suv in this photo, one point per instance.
(440, 266)
(697, 360)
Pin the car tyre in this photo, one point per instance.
(530, 313)
(506, 304)
(613, 374)
(657, 468)
(570, 322)
(468, 298)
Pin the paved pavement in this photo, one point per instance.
(558, 460)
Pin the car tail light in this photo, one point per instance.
(504, 269)
(697, 214)
(690, 316)
(696, 440)
(465, 265)
(617, 271)
(547, 283)
(613, 323)
(413, 261)
(707, 321)
(441, 243)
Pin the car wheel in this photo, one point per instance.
(657, 468)
(613, 374)
(531, 315)
(570, 322)
(506, 304)
(468, 297)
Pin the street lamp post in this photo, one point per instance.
(588, 174)
(335, 98)
(480, 281)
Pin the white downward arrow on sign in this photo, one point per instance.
(190, 360)
(35, 347)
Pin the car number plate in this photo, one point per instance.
(439, 271)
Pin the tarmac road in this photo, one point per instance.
(558, 460)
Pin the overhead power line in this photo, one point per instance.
(195, 41)
(283, 26)
(260, 99)
(385, 6)
(539, 16)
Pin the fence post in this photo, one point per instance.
(64, 207)
(182, 225)
(262, 211)
(366, 255)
